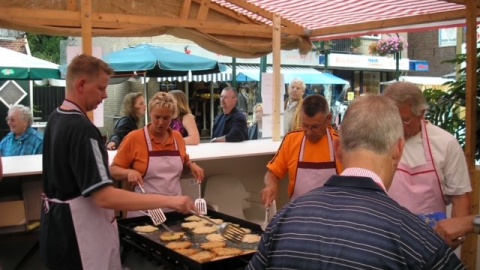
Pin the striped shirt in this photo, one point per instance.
(350, 223)
(30, 143)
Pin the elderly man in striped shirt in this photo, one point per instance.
(350, 222)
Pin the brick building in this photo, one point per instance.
(425, 46)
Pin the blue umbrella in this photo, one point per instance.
(159, 62)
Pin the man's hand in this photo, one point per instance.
(182, 204)
(269, 193)
(453, 230)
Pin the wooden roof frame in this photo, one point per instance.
(84, 21)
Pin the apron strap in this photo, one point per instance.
(47, 201)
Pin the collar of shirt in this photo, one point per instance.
(355, 171)
(25, 134)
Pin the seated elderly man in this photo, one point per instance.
(22, 138)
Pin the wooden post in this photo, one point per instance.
(86, 20)
(277, 88)
(469, 247)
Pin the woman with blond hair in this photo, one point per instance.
(255, 131)
(154, 157)
(184, 121)
(133, 110)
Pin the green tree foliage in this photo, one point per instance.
(45, 47)
(446, 108)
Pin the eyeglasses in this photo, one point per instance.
(315, 128)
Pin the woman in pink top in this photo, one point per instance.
(184, 121)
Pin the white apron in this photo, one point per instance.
(163, 173)
(311, 175)
(419, 189)
(96, 232)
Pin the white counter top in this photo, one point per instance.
(31, 165)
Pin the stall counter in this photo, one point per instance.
(243, 162)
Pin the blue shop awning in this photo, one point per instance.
(246, 73)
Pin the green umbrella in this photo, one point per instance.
(19, 66)
(159, 62)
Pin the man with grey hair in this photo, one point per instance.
(22, 138)
(432, 172)
(350, 222)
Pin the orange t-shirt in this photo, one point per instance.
(287, 156)
(133, 151)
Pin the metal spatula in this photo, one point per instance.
(267, 215)
(200, 203)
(156, 215)
(227, 230)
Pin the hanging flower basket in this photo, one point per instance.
(390, 46)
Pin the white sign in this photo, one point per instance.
(72, 51)
(366, 62)
(447, 37)
(267, 99)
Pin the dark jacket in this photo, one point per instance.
(123, 126)
(235, 128)
(253, 132)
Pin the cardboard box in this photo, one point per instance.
(12, 213)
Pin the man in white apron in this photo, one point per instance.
(432, 172)
(307, 154)
(78, 229)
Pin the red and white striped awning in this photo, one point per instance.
(316, 15)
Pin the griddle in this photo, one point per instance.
(151, 247)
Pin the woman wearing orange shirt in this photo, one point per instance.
(155, 156)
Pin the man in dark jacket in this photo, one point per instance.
(231, 125)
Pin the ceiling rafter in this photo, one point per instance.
(203, 11)
(187, 4)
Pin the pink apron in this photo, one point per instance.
(311, 175)
(163, 173)
(419, 189)
(96, 232)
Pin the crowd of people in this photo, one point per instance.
(370, 195)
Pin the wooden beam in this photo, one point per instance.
(277, 87)
(187, 4)
(63, 18)
(86, 11)
(203, 11)
(72, 5)
(377, 25)
(469, 247)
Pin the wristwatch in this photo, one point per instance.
(476, 224)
